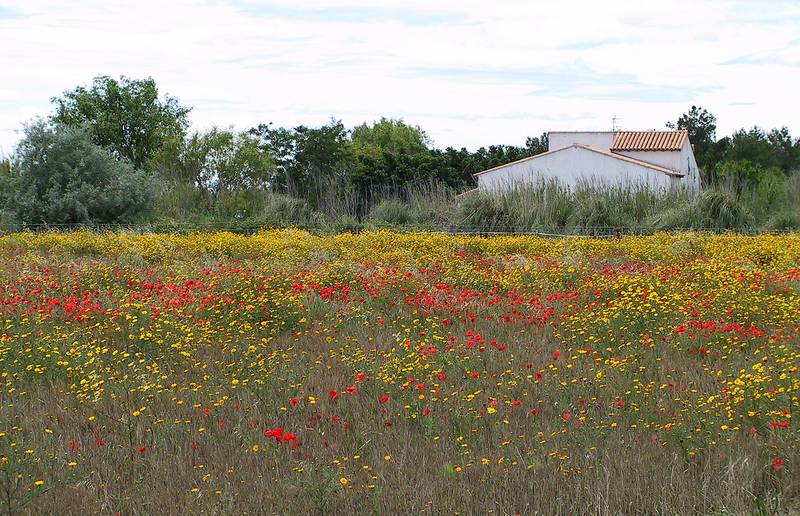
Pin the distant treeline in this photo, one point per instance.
(117, 152)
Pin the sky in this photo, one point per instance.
(471, 73)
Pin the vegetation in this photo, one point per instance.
(331, 178)
(62, 177)
(125, 116)
(387, 373)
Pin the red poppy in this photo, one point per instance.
(101, 442)
(534, 411)
(383, 399)
(293, 402)
(333, 394)
(142, 449)
(777, 463)
(426, 411)
(352, 389)
(619, 404)
(475, 375)
(74, 447)
(556, 354)
(360, 376)
(207, 411)
(516, 403)
(276, 432)
(566, 415)
(292, 438)
(442, 377)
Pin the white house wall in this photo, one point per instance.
(573, 165)
(690, 168)
(558, 140)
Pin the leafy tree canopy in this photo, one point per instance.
(392, 136)
(125, 115)
(222, 161)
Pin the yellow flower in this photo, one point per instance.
(39, 482)
(343, 481)
(387, 457)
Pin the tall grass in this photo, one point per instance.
(546, 206)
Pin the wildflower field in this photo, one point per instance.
(385, 373)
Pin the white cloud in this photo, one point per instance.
(471, 73)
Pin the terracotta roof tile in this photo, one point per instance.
(649, 140)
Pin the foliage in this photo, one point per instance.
(64, 178)
(124, 115)
(220, 162)
(764, 150)
(701, 126)
(388, 173)
(307, 159)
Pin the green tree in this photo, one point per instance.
(388, 135)
(752, 146)
(63, 177)
(308, 159)
(786, 150)
(535, 145)
(221, 161)
(387, 154)
(743, 174)
(702, 127)
(124, 115)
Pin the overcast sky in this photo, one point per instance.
(470, 73)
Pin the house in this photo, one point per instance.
(661, 160)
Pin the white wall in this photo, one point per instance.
(559, 140)
(669, 159)
(572, 165)
(690, 168)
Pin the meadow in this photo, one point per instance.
(385, 373)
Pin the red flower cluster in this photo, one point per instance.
(282, 436)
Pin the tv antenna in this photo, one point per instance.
(615, 123)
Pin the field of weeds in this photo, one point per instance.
(385, 373)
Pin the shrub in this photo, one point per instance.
(64, 178)
(393, 213)
(783, 221)
(711, 209)
(480, 211)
